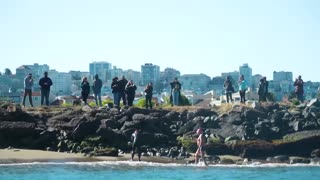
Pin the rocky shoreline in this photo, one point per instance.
(268, 132)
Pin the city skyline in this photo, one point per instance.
(208, 37)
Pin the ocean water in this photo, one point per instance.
(143, 170)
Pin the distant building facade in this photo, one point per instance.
(217, 85)
(62, 82)
(199, 83)
(168, 76)
(135, 76)
(282, 76)
(246, 71)
(116, 72)
(255, 82)
(102, 68)
(38, 70)
(150, 73)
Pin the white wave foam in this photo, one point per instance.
(153, 164)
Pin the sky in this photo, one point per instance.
(192, 36)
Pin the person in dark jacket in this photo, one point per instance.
(148, 90)
(115, 86)
(175, 91)
(85, 90)
(263, 89)
(45, 83)
(130, 91)
(299, 89)
(122, 84)
(228, 89)
(97, 85)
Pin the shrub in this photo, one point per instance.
(184, 101)
(107, 101)
(271, 97)
(295, 101)
(188, 143)
(66, 105)
(142, 103)
(92, 104)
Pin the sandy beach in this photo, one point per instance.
(26, 155)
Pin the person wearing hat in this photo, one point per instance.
(28, 83)
(97, 85)
(201, 141)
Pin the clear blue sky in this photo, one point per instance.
(198, 36)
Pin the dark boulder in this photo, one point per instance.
(315, 153)
(204, 112)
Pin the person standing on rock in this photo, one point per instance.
(228, 89)
(175, 91)
(45, 83)
(298, 84)
(263, 89)
(97, 85)
(201, 141)
(115, 86)
(148, 91)
(122, 85)
(85, 90)
(28, 83)
(243, 86)
(136, 143)
(130, 91)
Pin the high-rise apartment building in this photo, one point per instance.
(197, 82)
(135, 76)
(116, 72)
(246, 71)
(168, 76)
(62, 82)
(38, 70)
(255, 82)
(150, 73)
(282, 76)
(102, 68)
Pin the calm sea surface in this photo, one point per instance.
(135, 170)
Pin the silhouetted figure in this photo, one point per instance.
(175, 91)
(228, 89)
(136, 143)
(130, 91)
(299, 89)
(45, 83)
(263, 89)
(97, 85)
(115, 86)
(122, 84)
(148, 90)
(85, 90)
(28, 83)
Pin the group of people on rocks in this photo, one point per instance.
(262, 90)
(123, 89)
(45, 83)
